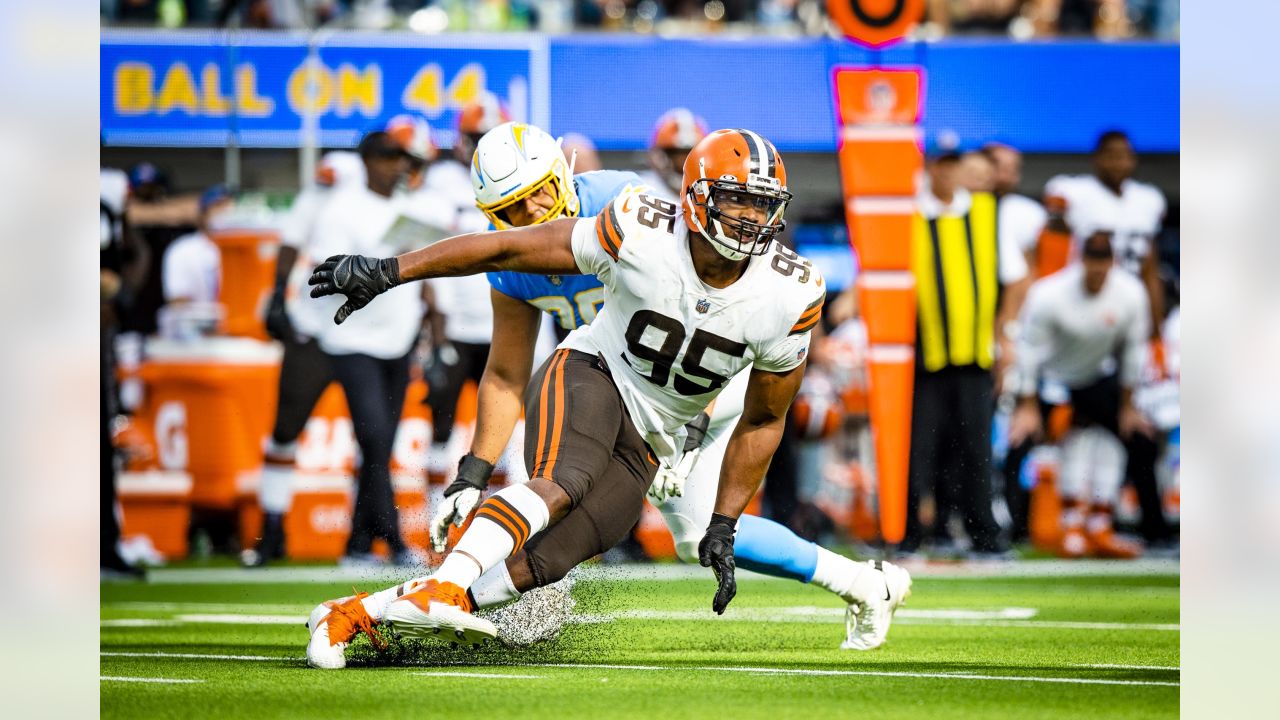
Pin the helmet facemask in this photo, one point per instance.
(721, 203)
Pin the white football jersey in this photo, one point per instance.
(671, 341)
(1134, 216)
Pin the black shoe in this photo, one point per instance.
(270, 545)
(114, 567)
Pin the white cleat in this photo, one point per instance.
(867, 623)
(333, 625)
(439, 611)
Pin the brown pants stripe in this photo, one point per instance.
(550, 417)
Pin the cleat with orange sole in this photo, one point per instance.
(435, 608)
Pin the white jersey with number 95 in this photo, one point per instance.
(671, 341)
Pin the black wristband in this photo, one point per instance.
(722, 525)
(389, 268)
(473, 472)
(696, 431)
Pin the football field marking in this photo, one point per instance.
(799, 672)
(499, 676)
(878, 673)
(1009, 617)
(199, 656)
(166, 681)
(1114, 666)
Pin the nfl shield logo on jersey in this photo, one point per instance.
(703, 305)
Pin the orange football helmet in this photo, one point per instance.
(675, 134)
(474, 120)
(735, 192)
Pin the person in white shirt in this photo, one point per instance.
(305, 371)
(192, 266)
(1086, 327)
(1111, 200)
(1021, 218)
(370, 356)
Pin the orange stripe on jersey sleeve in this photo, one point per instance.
(810, 317)
(608, 233)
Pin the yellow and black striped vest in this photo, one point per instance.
(956, 265)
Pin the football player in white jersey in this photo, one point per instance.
(1110, 200)
(690, 301)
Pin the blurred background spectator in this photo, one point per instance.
(1020, 19)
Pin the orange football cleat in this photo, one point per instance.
(442, 610)
(334, 625)
(1105, 544)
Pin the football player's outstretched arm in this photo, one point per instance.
(515, 333)
(546, 248)
(751, 446)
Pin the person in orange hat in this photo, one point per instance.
(674, 135)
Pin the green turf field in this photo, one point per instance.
(1024, 643)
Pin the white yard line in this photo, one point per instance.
(499, 676)
(707, 668)
(236, 619)
(199, 656)
(138, 622)
(1012, 617)
(1114, 666)
(660, 572)
(168, 681)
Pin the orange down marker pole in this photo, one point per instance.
(880, 158)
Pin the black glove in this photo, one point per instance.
(279, 326)
(696, 432)
(472, 472)
(358, 277)
(716, 552)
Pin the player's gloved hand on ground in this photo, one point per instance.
(460, 498)
(278, 324)
(358, 277)
(716, 552)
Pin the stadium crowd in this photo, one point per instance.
(1046, 392)
(1019, 19)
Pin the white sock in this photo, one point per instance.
(851, 580)
(1077, 459)
(502, 525)
(275, 491)
(275, 494)
(1072, 513)
(1108, 467)
(494, 587)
